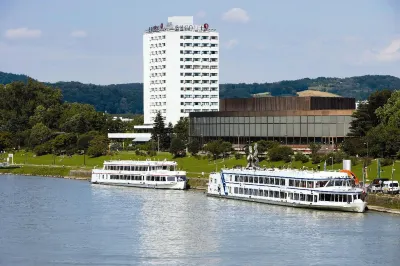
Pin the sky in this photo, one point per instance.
(100, 41)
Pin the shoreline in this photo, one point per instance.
(199, 187)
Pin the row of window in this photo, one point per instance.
(199, 74)
(158, 60)
(142, 178)
(157, 45)
(275, 119)
(157, 52)
(294, 196)
(198, 110)
(290, 182)
(196, 81)
(199, 96)
(204, 37)
(199, 88)
(198, 52)
(159, 37)
(137, 168)
(188, 44)
(203, 66)
(199, 103)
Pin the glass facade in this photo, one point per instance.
(310, 126)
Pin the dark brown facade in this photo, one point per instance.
(286, 103)
(291, 120)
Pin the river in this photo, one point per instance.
(50, 221)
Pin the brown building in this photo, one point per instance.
(289, 120)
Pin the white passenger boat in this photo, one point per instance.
(146, 174)
(289, 187)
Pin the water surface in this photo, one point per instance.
(48, 221)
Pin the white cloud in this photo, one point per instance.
(236, 15)
(78, 34)
(201, 14)
(22, 33)
(390, 53)
(231, 43)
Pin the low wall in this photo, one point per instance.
(387, 201)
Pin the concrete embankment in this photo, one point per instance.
(384, 203)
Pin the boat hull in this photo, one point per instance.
(180, 185)
(358, 207)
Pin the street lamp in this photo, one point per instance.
(332, 161)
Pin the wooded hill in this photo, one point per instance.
(128, 98)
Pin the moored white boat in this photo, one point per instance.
(289, 187)
(145, 174)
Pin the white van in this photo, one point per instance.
(390, 187)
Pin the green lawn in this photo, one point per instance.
(193, 166)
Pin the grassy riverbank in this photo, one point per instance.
(194, 166)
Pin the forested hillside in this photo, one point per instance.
(128, 98)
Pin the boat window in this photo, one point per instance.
(297, 183)
(241, 178)
(291, 182)
(338, 183)
(309, 198)
(282, 182)
(290, 196)
(236, 190)
(246, 191)
(302, 197)
(260, 192)
(265, 193)
(331, 183)
(255, 192)
(315, 198)
(296, 196)
(255, 179)
(157, 178)
(147, 178)
(246, 179)
(250, 179)
(262, 180)
(241, 190)
(310, 184)
(181, 178)
(272, 181)
(282, 195)
(172, 178)
(236, 178)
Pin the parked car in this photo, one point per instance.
(390, 187)
(376, 185)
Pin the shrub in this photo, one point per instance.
(238, 156)
(301, 157)
(43, 149)
(386, 161)
(151, 153)
(280, 153)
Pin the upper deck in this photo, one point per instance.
(139, 163)
(288, 173)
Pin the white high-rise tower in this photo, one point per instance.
(181, 69)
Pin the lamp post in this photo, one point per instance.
(332, 161)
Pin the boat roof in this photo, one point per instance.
(144, 163)
(294, 173)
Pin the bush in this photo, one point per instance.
(280, 153)
(301, 157)
(238, 156)
(151, 153)
(386, 161)
(43, 149)
(316, 159)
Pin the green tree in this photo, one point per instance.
(194, 146)
(65, 143)
(159, 132)
(280, 153)
(389, 113)
(39, 134)
(315, 148)
(181, 129)
(218, 147)
(177, 147)
(264, 145)
(5, 141)
(98, 146)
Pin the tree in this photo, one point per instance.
(264, 145)
(5, 141)
(98, 146)
(365, 117)
(177, 147)
(159, 133)
(389, 114)
(218, 147)
(39, 134)
(314, 147)
(194, 146)
(280, 153)
(181, 129)
(65, 143)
